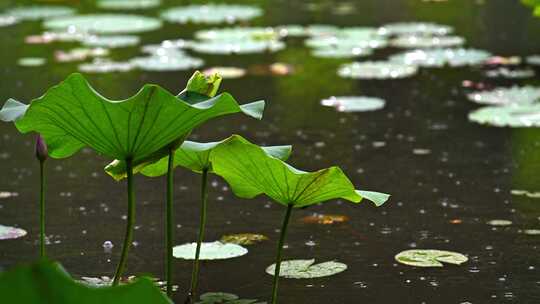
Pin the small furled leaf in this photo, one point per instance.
(47, 282)
(306, 269)
(251, 171)
(195, 156)
(430, 258)
(209, 251)
(72, 115)
(12, 110)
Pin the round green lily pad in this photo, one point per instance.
(104, 23)
(425, 28)
(346, 41)
(8, 194)
(531, 231)
(376, 70)
(440, 57)
(533, 59)
(306, 269)
(211, 13)
(8, 233)
(499, 223)
(341, 52)
(507, 96)
(209, 251)
(226, 72)
(237, 47)
(422, 41)
(7, 20)
(167, 63)
(354, 103)
(238, 33)
(504, 72)
(430, 258)
(218, 297)
(128, 4)
(31, 61)
(106, 66)
(515, 116)
(40, 12)
(113, 41)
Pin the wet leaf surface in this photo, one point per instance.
(209, 251)
(243, 238)
(307, 269)
(430, 258)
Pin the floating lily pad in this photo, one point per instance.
(504, 72)
(106, 66)
(104, 23)
(238, 33)
(31, 61)
(167, 63)
(226, 72)
(533, 59)
(7, 194)
(425, 28)
(49, 37)
(211, 13)
(40, 12)
(115, 41)
(225, 298)
(243, 238)
(516, 116)
(499, 223)
(237, 47)
(525, 193)
(7, 20)
(377, 70)
(209, 251)
(507, 96)
(306, 269)
(430, 258)
(79, 54)
(347, 42)
(325, 219)
(422, 41)
(8, 233)
(128, 4)
(531, 231)
(354, 103)
(341, 52)
(441, 57)
(291, 30)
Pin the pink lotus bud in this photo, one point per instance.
(41, 149)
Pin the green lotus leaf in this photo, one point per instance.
(251, 171)
(47, 282)
(72, 115)
(195, 156)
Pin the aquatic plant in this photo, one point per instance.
(136, 131)
(195, 156)
(251, 171)
(41, 155)
(48, 282)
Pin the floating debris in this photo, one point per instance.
(430, 258)
(325, 219)
(31, 61)
(516, 116)
(237, 47)
(226, 72)
(211, 13)
(525, 193)
(8, 233)
(423, 28)
(104, 23)
(209, 251)
(279, 68)
(114, 41)
(39, 12)
(507, 96)
(128, 4)
(106, 66)
(441, 57)
(306, 269)
(7, 20)
(354, 103)
(504, 72)
(422, 41)
(377, 70)
(499, 223)
(243, 238)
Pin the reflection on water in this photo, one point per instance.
(448, 177)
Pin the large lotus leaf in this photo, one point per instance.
(47, 282)
(195, 156)
(72, 115)
(251, 171)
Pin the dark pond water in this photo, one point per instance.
(467, 177)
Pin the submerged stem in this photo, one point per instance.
(279, 250)
(202, 224)
(170, 223)
(128, 238)
(42, 209)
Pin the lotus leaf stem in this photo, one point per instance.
(279, 253)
